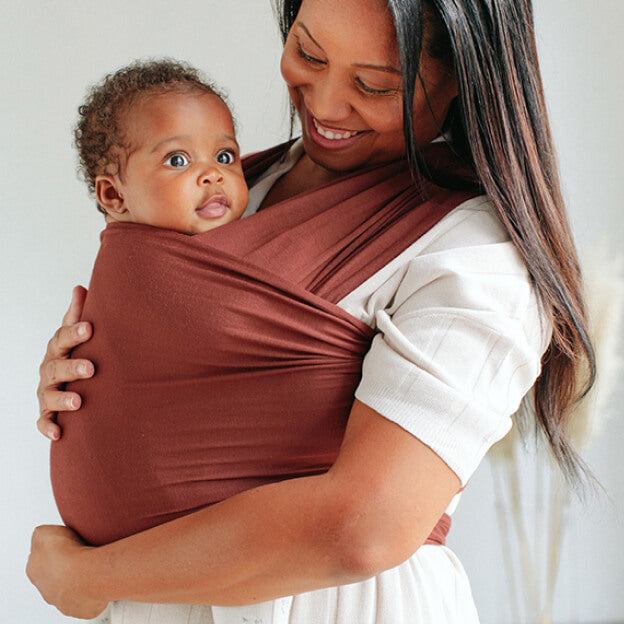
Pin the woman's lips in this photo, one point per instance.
(331, 138)
(214, 208)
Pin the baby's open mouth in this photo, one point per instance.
(214, 207)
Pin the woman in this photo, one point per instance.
(464, 318)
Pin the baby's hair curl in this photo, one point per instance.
(99, 136)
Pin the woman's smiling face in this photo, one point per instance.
(341, 65)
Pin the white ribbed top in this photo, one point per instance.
(460, 336)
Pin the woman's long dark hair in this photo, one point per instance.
(499, 128)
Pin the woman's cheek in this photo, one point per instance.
(386, 117)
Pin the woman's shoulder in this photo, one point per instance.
(471, 238)
(473, 222)
(460, 336)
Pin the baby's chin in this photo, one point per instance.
(206, 225)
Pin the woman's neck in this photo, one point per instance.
(304, 176)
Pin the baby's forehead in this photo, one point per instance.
(177, 112)
(171, 98)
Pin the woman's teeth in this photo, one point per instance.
(332, 135)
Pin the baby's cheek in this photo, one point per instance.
(238, 194)
(243, 199)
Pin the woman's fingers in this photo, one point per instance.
(52, 400)
(72, 316)
(65, 339)
(54, 372)
(72, 332)
(57, 372)
(57, 369)
(48, 427)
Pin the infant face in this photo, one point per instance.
(182, 170)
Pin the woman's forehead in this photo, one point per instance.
(359, 30)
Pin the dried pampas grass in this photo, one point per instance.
(533, 573)
(603, 286)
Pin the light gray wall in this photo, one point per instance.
(49, 234)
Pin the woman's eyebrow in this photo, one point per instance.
(384, 68)
(302, 25)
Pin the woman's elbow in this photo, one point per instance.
(368, 541)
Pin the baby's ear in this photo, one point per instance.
(108, 195)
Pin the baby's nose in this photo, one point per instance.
(211, 175)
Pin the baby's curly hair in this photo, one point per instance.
(98, 135)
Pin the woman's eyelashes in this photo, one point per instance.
(308, 57)
(373, 90)
(361, 85)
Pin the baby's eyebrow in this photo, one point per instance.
(229, 138)
(179, 137)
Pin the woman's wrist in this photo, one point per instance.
(87, 572)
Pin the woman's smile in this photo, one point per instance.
(330, 138)
(333, 133)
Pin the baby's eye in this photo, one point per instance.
(225, 157)
(177, 160)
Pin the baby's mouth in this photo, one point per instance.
(214, 207)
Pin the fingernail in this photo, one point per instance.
(82, 369)
(53, 435)
(82, 330)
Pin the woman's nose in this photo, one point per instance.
(210, 175)
(327, 100)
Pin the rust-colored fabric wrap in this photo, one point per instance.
(222, 360)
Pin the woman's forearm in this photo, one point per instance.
(372, 510)
(263, 543)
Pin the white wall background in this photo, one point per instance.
(49, 236)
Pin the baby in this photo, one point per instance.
(157, 146)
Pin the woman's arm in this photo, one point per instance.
(371, 511)
(57, 369)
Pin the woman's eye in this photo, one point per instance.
(225, 157)
(372, 90)
(306, 57)
(177, 160)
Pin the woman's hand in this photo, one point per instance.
(52, 568)
(57, 369)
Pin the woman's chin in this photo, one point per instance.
(337, 161)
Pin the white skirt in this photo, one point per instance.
(430, 587)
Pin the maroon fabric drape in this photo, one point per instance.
(222, 360)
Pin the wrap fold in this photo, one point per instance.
(222, 360)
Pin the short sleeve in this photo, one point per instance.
(460, 343)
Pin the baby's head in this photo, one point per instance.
(157, 146)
